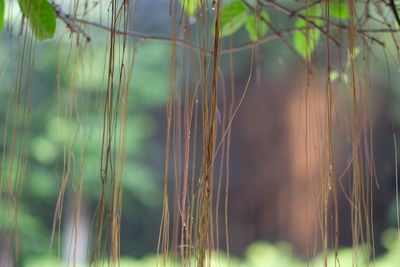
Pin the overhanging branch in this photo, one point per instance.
(73, 24)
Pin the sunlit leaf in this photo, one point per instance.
(306, 39)
(233, 16)
(190, 6)
(41, 17)
(338, 9)
(334, 75)
(1, 14)
(356, 52)
(312, 12)
(256, 26)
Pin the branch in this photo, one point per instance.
(394, 10)
(363, 33)
(143, 36)
(289, 12)
(276, 32)
(296, 12)
(66, 18)
(266, 38)
(71, 23)
(239, 48)
(262, 40)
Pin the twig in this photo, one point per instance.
(276, 32)
(296, 12)
(362, 33)
(262, 40)
(289, 12)
(394, 10)
(143, 36)
(66, 18)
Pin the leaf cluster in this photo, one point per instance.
(257, 21)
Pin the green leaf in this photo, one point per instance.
(334, 75)
(1, 14)
(314, 11)
(41, 17)
(256, 27)
(190, 6)
(306, 39)
(233, 16)
(338, 9)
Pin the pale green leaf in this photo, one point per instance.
(314, 11)
(233, 16)
(256, 26)
(306, 39)
(1, 14)
(356, 52)
(41, 17)
(338, 9)
(190, 6)
(334, 75)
